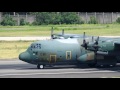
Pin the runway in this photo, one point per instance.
(29, 38)
(20, 69)
(23, 38)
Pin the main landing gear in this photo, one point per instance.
(92, 64)
(107, 65)
(40, 66)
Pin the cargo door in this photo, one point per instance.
(52, 58)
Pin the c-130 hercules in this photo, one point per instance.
(101, 52)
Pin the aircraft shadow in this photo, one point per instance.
(57, 67)
(34, 67)
(116, 68)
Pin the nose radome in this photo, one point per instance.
(25, 56)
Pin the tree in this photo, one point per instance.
(56, 18)
(118, 20)
(42, 18)
(8, 21)
(69, 17)
(93, 20)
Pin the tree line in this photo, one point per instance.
(45, 18)
(57, 18)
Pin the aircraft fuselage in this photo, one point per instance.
(56, 52)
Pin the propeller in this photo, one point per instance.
(84, 41)
(91, 46)
(95, 45)
(96, 42)
(92, 39)
(53, 36)
(52, 33)
(62, 32)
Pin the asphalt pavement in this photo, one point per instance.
(19, 69)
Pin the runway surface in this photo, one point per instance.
(23, 38)
(20, 69)
(35, 38)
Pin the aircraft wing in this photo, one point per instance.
(70, 36)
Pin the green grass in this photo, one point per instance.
(12, 49)
(44, 30)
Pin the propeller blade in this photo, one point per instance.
(84, 41)
(84, 36)
(96, 41)
(52, 33)
(92, 39)
(63, 32)
(98, 38)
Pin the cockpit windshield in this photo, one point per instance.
(36, 46)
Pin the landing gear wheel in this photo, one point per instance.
(107, 65)
(40, 66)
(100, 66)
(112, 65)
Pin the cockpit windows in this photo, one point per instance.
(36, 46)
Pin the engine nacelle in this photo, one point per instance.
(87, 57)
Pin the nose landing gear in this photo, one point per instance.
(40, 66)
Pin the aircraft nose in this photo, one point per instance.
(25, 56)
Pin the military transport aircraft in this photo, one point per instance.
(105, 52)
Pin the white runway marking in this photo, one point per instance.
(56, 73)
(23, 38)
(18, 68)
